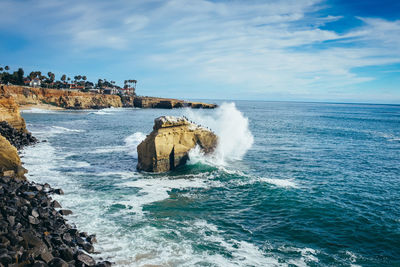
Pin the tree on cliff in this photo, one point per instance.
(20, 76)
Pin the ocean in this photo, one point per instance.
(291, 184)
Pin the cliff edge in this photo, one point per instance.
(27, 96)
(167, 146)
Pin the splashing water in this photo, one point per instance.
(232, 128)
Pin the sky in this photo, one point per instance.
(301, 50)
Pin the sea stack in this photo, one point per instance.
(168, 145)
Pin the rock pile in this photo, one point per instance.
(17, 138)
(34, 233)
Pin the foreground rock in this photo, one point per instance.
(10, 163)
(168, 145)
(34, 233)
(17, 138)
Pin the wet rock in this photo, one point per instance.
(34, 233)
(59, 191)
(67, 254)
(55, 204)
(57, 262)
(65, 212)
(46, 256)
(39, 264)
(86, 259)
(33, 220)
(88, 248)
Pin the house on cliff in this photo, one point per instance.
(110, 91)
(35, 82)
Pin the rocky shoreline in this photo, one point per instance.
(34, 232)
(33, 227)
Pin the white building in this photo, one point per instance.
(35, 83)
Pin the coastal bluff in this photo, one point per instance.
(167, 146)
(28, 96)
(72, 99)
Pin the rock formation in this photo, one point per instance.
(25, 96)
(10, 163)
(168, 103)
(168, 145)
(9, 111)
(33, 231)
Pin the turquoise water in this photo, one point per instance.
(293, 184)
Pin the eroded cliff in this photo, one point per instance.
(25, 96)
(168, 145)
(168, 103)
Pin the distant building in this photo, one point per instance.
(94, 90)
(110, 91)
(35, 82)
(127, 91)
(74, 86)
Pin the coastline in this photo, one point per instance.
(30, 97)
(33, 227)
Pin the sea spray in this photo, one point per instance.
(232, 128)
(132, 141)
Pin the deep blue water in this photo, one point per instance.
(319, 186)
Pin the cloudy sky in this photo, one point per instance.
(307, 50)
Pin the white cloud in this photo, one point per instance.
(264, 46)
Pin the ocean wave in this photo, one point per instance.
(131, 143)
(157, 189)
(37, 111)
(232, 129)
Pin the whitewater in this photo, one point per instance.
(282, 188)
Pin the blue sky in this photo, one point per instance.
(311, 50)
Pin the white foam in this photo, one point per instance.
(286, 183)
(156, 189)
(38, 111)
(106, 111)
(232, 128)
(131, 143)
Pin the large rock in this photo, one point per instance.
(9, 111)
(168, 145)
(10, 162)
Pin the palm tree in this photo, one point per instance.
(63, 78)
(1, 69)
(7, 68)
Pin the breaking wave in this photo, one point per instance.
(232, 128)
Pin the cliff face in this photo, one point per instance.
(168, 145)
(62, 98)
(168, 103)
(9, 112)
(10, 163)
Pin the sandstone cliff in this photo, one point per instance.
(168, 145)
(10, 163)
(167, 103)
(9, 111)
(62, 98)
(27, 96)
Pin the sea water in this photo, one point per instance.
(290, 184)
